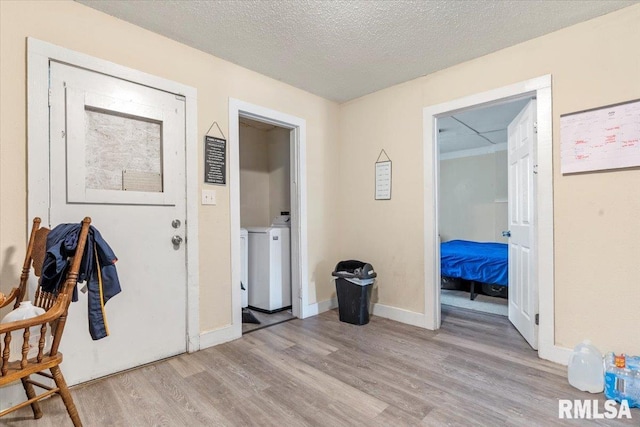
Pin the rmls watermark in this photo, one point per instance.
(591, 410)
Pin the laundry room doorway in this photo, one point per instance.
(265, 219)
(268, 216)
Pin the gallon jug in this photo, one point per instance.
(26, 310)
(586, 369)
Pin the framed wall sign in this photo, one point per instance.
(383, 178)
(215, 160)
(601, 138)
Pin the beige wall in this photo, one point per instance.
(279, 172)
(77, 27)
(254, 177)
(597, 236)
(473, 192)
(264, 175)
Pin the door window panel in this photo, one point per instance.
(123, 153)
(119, 151)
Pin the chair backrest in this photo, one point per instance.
(55, 305)
(36, 251)
(61, 301)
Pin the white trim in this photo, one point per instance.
(39, 54)
(299, 258)
(541, 88)
(398, 314)
(192, 225)
(218, 336)
(380, 310)
(556, 354)
(480, 151)
(323, 306)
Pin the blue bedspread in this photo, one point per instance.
(482, 262)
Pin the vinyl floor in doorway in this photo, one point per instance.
(475, 371)
(266, 320)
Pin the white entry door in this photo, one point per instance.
(523, 286)
(117, 155)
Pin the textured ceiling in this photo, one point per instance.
(341, 50)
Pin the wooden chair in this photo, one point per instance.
(54, 319)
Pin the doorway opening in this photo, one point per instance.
(265, 220)
(541, 319)
(267, 171)
(474, 206)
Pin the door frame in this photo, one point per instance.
(298, 176)
(540, 88)
(39, 54)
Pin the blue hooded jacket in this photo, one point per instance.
(98, 266)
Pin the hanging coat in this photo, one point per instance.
(97, 269)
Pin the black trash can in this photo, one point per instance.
(354, 281)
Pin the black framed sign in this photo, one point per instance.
(215, 160)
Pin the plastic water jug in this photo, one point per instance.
(26, 310)
(586, 368)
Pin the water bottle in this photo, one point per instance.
(26, 310)
(586, 370)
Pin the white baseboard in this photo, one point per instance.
(399, 315)
(219, 336)
(556, 354)
(327, 305)
(321, 307)
(317, 308)
(381, 310)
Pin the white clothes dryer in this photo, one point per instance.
(270, 266)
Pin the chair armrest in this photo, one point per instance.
(13, 294)
(52, 314)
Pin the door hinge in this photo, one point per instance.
(49, 98)
(180, 98)
(535, 127)
(537, 319)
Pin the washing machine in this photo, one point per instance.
(270, 266)
(244, 267)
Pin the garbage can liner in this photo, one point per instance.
(357, 272)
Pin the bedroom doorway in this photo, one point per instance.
(493, 189)
(473, 206)
(538, 174)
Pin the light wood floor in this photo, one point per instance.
(266, 320)
(475, 371)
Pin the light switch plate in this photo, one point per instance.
(208, 197)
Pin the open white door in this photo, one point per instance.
(523, 285)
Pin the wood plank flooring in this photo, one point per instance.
(266, 319)
(475, 371)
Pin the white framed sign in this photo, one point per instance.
(602, 138)
(383, 180)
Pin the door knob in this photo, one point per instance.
(176, 240)
(506, 233)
